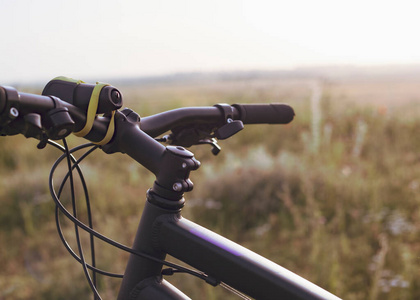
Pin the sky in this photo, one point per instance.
(104, 39)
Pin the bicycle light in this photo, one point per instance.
(78, 93)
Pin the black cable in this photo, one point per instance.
(92, 284)
(102, 237)
(90, 220)
(77, 167)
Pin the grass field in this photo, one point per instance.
(334, 196)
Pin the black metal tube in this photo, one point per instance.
(139, 268)
(130, 139)
(156, 288)
(248, 113)
(231, 263)
(162, 122)
(33, 103)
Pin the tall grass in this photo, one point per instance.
(333, 196)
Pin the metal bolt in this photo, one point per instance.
(229, 120)
(184, 165)
(177, 187)
(13, 112)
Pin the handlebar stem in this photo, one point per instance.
(171, 165)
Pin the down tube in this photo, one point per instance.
(231, 263)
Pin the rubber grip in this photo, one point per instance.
(274, 113)
(3, 99)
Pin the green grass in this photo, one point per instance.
(335, 201)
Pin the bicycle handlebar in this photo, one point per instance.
(14, 105)
(153, 125)
(50, 117)
(248, 113)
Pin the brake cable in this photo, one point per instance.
(88, 228)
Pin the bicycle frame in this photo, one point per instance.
(164, 231)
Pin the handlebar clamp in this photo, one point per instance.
(172, 181)
(59, 123)
(230, 126)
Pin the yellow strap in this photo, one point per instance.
(68, 79)
(92, 109)
(109, 133)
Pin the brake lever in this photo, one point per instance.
(213, 142)
(189, 135)
(230, 126)
(207, 141)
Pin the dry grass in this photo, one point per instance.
(347, 219)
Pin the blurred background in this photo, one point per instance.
(333, 196)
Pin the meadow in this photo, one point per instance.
(334, 196)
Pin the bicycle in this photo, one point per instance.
(93, 112)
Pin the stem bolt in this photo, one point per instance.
(177, 187)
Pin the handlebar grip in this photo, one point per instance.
(275, 113)
(3, 99)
